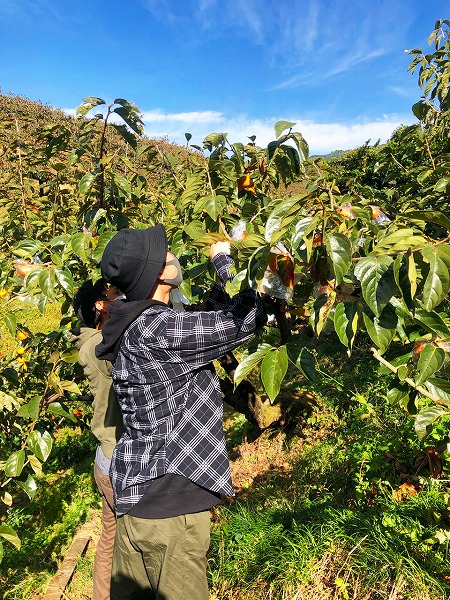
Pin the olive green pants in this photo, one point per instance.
(161, 559)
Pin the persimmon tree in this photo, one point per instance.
(357, 244)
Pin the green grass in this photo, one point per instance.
(282, 549)
(65, 500)
(30, 316)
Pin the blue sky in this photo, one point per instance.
(336, 67)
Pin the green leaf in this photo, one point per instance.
(7, 401)
(340, 252)
(306, 364)
(70, 355)
(213, 205)
(281, 126)
(302, 228)
(235, 286)
(78, 243)
(131, 118)
(249, 245)
(302, 145)
(125, 134)
(65, 279)
(346, 322)
(47, 283)
(424, 421)
(301, 357)
(420, 110)
(27, 248)
(277, 222)
(40, 444)
(11, 375)
(29, 486)
(88, 104)
(405, 275)
(442, 184)
(398, 393)
(430, 360)
(177, 244)
(70, 386)
(192, 190)
(10, 535)
(399, 240)
(429, 216)
(432, 322)
(443, 252)
(56, 408)
(10, 322)
(437, 283)
(195, 229)
(381, 330)
(42, 303)
(122, 102)
(14, 463)
(273, 370)
(402, 372)
(86, 183)
(215, 139)
(206, 240)
(31, 409)
(421, 178)
(54, 381)
(103, 240)
(249, 360)
(123, 185)
(377, 281)
(321, 309)
(439, 388)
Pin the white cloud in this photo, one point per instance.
(315, 76)
(321, 137)
(405, 92)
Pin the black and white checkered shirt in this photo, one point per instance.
(169, 392)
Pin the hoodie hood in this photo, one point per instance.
(121, 315)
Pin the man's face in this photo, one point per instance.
(112, 292)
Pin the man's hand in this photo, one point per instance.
(219, 247)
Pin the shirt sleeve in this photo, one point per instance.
(218, 298)
(200, 337)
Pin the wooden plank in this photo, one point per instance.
(58, 583)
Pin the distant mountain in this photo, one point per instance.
(334, 154)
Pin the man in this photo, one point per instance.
(91, 304)
(170, 465)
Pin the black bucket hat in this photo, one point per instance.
(133, 259)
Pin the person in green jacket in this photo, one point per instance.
(91, 304)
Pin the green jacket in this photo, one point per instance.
(106, 422)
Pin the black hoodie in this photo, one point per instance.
(121, 314)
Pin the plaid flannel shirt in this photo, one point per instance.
(169, 393)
